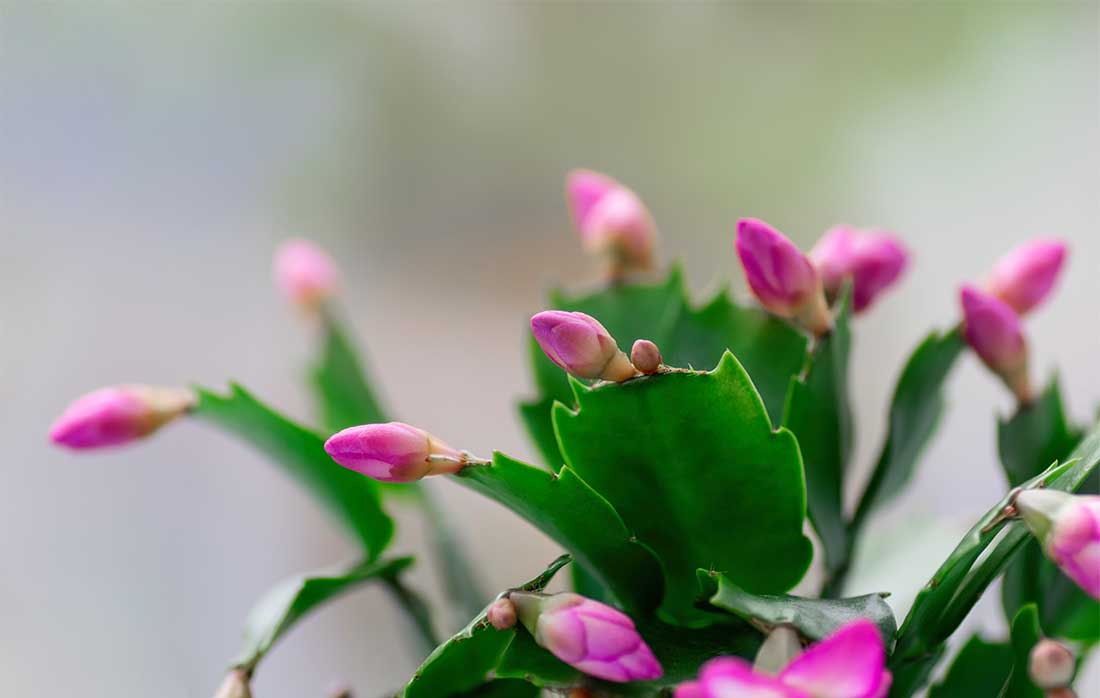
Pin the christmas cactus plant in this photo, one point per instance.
(685, 449)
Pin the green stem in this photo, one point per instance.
(417, 610)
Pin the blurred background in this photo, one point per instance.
(152, 155)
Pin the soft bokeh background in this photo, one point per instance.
(152, 155)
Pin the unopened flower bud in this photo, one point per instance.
(305, 273)
(579, 344)
(587, 635)
(993, 330)
(612, 221)
(645, 356)
(117, 415)
(1024, 277)
(780, 276)
(502, 614)
(234, 686)
(873, 260)
(1051, 664)
(1068, 528)
(690, 689)
(394, 452)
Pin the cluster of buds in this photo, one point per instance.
(1020, 282)
(305, 274)
(850, 663)
(1068, 528)
(612, 222)
(396, 452)
(118, 415)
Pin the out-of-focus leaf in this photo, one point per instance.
(979, 671)
(1036, 436)
(351, 498)
(819, 415)
(690, 462)
(814, 618)
(1026, 633)
(565, 508)
(344, 396)
(285, 604)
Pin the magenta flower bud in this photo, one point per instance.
(874, 261)
(305, 273)
(993, 330)
(1068, 528)
(834, 256)
(117, 415)
(393, 452)
(502, 614)
(612, 220)
(1024, 277)
(1051, 664)
(645, 356)
(587, 635)
(780, 276)
(579, 344)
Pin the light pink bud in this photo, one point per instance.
(235, 685)
(502, 614)
(1025, 276)
(874, 260)
(993, 330)
(579, 344)
(117, 415)
(612, 220)
(588, 635)
(780, 276)
(645, 356)
(393, 452)
(834, 256)
(305, 273)
(1051, 664)
(1068, 527)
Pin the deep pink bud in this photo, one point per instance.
(1068, 528)
(305, 273)
(993, 330)
(393, 452)
(579, 344)
(117, 415)
(1025, 276)
(780, 276)
(502, 614)
(587, 635)
(645, 356)
(1051, 664)
(874, 260)
(612, 220)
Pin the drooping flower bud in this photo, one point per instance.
(579, 344)
(612, 221)
(874, 260)
(502, 614)
(1068, 528)
(587, 635)
(1025, 276)
(1051, 664)
(305, 273)
(394, 452)
(117, 415)
(780, 276)
(235, 685)
(645, 356)
(993, 330)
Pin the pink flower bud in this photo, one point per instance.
(993, 330)
(305, 273)
(235, 685)
(587, 635)
(612, 220)
(1068, 527)
(1024, 277)
(780, 276)
(579, 344)
(1051, 664)
(874, 261)
(393, 452)
(502, 614)
(645, 356)
(117, 415)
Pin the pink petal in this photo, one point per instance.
(731, 677)
(848, 664)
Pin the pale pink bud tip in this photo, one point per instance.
(611, 220)
(873, 260)
(645, 356)
(780, 276)
(117, 415)
(579, 344)
(1068, 527)
(502, 614)
(993, 330)
(1051, 664)
(1024, 277)
(305, 273)
(234, 686)
(588, 635)
(393, 452)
